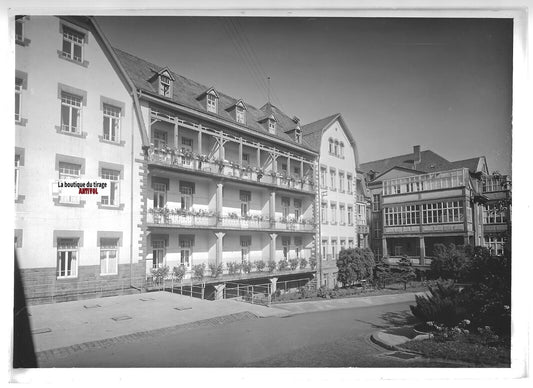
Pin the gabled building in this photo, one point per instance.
(75, 119)
(342, 202)
(422, 199)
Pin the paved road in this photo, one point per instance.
(333, 338)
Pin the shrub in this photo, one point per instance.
(160, 273)
(449, 261)
(355, 264)
(312, 263)
(322, 292)
(382, 275)
(303, 263)
(232, 267)
(445, 305)
(247, 266)
(179, 272)
(271, 265)
(283, 265)
(404, 272)
(260, 265)
(198, 271)
(293, 263)
(216, 269)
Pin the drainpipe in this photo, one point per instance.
(132, 160)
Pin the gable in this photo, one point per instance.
(397, 172)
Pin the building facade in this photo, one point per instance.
(421, 199)
(497, 212)
(342, 204)
(67, 126)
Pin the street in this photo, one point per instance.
(322, 339)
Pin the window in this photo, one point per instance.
(285, 204)
(159, 138)
(349, 181)
(70, 113)
(333, 178)
(350, 215)
(331, 146)
(164, 86)
(323, 176)
(246, 242)
(284, 168)
(158, 253)
(240, 114)
(271, 126)
(297, 209)
(67, 257)
(495, 244)
(114, 187)
(492, 214)
(402, 215)
(350, 243)
(73, 44)
(111, 123)
(160, 195)
(298, 247)
(186, 244)
(245, 158)
(18, 99)
(333, 213)
(342, 215)
(334, 249)
(361, 213)
(442, 212)
(108, 256)
(286, 243)
(324, 249)
(17, 175)
(375, 203)
(19, 29)
(186, 191)
(343, 245)
(187, 143)
(336, 148)
(69, 171)
(341, 150)
(324, 213)
(341, 182)
(245, 197)
(211, 103)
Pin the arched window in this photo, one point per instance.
(342, 149)
(336, 148)
(330, 146)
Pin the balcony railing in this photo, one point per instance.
(165, 216)
(425, 182)
(198, 162)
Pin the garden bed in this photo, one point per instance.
(468, 349)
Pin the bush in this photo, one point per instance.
(382, 275)
(312, 263)
(233, 267)
(247, 266)
(445, 305)
(303, 263)
(293, 263)
(160, 273)
(283, 265)
(271, 265)
(404, 272)
(260, 265)
(322, 292)
(449, 261)
(354, 264)
(179, 272)
(198, 271)
(216, 269)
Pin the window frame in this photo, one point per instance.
(68, 173)
(71, 41)
(159, 246)
(211, 103)
(240, 114)
(70, 102)
(114, 177)
(19, 85)
(107, 249)
(66, 249)
(113, 115)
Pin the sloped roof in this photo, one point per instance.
(472, 164)
(186, 91)
(430, 161)
(312, 132)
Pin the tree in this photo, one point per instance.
(382, 274)
(449, 261)
(354, 264)
(404, 272)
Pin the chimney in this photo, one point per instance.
(417, 158)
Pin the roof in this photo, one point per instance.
(186, 92)
(312, 132)
(472, 164)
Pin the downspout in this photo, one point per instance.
(131, 197)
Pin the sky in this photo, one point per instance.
(443, 84)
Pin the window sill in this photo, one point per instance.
(120, 143)
(61, 56)
(25, 42)
(21, 122)
(66, 277)
(67, 204)
(20, 199)
(81, 135)
(107, 275)
(110, 207)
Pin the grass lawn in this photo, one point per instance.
(462, 350)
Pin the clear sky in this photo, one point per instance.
(443, 84)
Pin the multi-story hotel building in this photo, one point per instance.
(422, 199)
(74, 119)
(342, 200)
(497, 212)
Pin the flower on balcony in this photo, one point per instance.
(234, 164)
(259, 171)
(202, 158)
(233, 216)
(219, 162)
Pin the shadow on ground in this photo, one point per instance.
(400, 318)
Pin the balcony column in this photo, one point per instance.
(200, 141)
(176, 137)
(288, 166)
(219, 203)
(220, 148)
(273, 237)
(384, 246)
(258, 157)
(220, 239)
(240, 151)
(422, 251)
(272, 206)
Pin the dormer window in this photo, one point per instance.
(211, 103)
(240, 114)
(271, 126)
(164, 85)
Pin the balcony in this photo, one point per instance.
(190, 161)
(426, 182)
(207, 219)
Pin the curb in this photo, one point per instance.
(51, 354)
